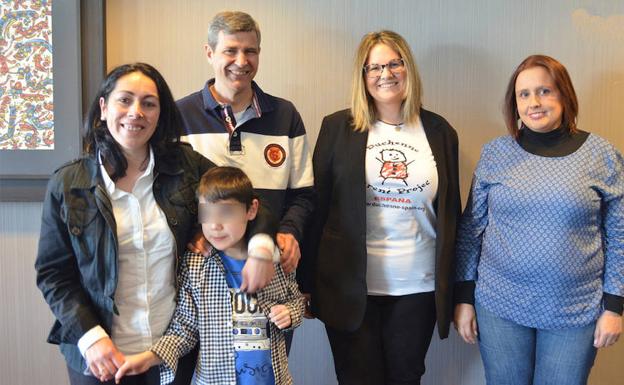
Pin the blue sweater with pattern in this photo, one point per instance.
(543, 237)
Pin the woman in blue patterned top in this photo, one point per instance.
(540, 252)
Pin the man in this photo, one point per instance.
(233, 122)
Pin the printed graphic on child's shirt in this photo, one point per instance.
(249, 325)
(252, 344)
(251, 340)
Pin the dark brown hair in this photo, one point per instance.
(563, 83)
(221, 183)
(164, 141)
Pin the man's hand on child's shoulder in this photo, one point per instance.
(280, 316)
(137, 364)
(289, 248)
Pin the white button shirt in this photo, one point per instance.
(145, 294)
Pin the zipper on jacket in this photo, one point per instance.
(102, 198)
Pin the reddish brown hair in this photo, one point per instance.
(563, 83)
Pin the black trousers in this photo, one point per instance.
(391, 344)
(288, 336)
(184, 374)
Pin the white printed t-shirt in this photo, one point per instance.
(401, 187)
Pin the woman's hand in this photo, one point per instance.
(280, 316)
(103, 359)
(137, 364)
(466, 322)
(199, 244)
(608, 329)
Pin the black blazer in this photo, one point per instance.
(335, 254)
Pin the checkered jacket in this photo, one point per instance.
(204, 314)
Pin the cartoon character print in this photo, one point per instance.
(393, 165)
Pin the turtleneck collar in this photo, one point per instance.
(555, 143)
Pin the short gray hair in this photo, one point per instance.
(231, 22)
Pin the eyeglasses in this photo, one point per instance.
(375, 70)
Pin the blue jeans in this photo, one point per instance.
(513, 354)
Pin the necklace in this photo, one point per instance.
(397, 126)
(143, 165)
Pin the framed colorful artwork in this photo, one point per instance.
(41, 77)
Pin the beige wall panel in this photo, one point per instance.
(25, 319)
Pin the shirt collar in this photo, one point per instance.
(260, 101)
(111, 189)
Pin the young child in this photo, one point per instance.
(240, 335)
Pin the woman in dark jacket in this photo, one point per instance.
(386, 175)
(114, 224)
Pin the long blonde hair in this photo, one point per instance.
(362, 104)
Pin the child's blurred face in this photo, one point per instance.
(224, 223)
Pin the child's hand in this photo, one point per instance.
(137, 364)
(280, 316)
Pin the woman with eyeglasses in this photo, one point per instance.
(382, 240)
(540, 248)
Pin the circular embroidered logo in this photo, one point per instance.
(274, 155)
